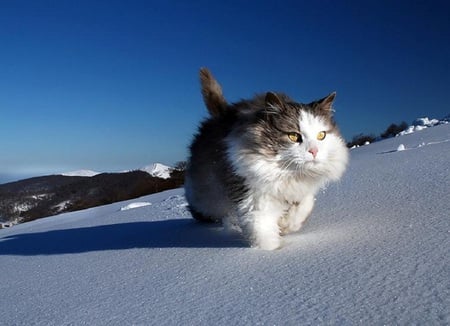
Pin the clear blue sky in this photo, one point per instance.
(113, 85)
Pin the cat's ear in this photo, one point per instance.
(212, 93)
(273, 101)
(326, 104)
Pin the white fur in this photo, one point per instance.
(277, 201)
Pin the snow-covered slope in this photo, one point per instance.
(157, 170)
(375, 251)
(81, 173)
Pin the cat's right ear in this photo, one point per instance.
(326, 104)
(273, 101)
(212, 93)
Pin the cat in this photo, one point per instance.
(256, 165)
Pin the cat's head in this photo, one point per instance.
(302, 138)
(299, 138)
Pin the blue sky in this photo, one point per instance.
(113, 85)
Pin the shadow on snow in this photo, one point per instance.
(178, 233)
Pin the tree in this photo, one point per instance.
(360, 140)
(394, 129)
(181, 166)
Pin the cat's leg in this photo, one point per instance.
(297, 214)
(260, 225)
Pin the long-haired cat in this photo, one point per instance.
(257, 164)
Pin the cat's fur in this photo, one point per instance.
(245, 171)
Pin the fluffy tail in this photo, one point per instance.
(212, 93)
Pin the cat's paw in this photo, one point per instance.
(284, 225)
(287, 226)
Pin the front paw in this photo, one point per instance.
(286, 226)
(283, 225)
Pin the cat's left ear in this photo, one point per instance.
(326, 104)
(273, 101)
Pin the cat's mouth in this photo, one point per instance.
(303, 165)
(312, 163)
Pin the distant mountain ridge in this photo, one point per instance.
(156, 170)
(38, 197)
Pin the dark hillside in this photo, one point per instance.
(33, 198)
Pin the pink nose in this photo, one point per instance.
(313, 151)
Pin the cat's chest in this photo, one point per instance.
(267, 179)
(290, 190)
(266, 176)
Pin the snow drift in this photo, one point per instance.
(134, 205)
(422, 123)
(374, 251)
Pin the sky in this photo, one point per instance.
(113, 85)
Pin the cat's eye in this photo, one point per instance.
(294, 137)
(321, 135)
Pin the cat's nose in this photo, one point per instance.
(313, 151)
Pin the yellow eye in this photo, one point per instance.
(294, 137)
(321, 135)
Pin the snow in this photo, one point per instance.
(134, 205)
(400, 148)
(81, 173)
(421, 124)
(374, 252)
(23, 207)
(157, 170)
(426, 122)
(62, 205)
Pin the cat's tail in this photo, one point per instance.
(212, 93)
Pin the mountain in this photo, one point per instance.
(155, 170)
(33, 198)
(374, 252)
(158, 170)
